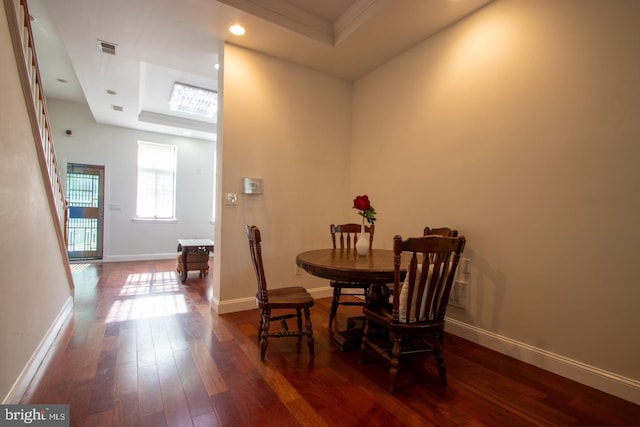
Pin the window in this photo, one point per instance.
(156, 181)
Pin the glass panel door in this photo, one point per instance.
(85, 193)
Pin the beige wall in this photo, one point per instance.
(290, 127)
(519, 126)
(33, 287)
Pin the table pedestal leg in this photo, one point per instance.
(350, 338)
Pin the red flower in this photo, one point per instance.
(367, 211)
(362, 203)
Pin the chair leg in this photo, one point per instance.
(395, 362)
(307, 317)
(299, 313)
(364, 342)
(442, 370)
(334, 305)
(264, 334)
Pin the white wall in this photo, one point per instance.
(519, 126)
(291, 127)
(34, 289)
(116, 149)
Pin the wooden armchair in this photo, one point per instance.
(415, 320)
(290, 301)
(345, 236)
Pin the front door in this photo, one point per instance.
(85, 194)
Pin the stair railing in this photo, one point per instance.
(24, 49)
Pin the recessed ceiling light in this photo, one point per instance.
(111, 92)
(238, 30)
(117, 108)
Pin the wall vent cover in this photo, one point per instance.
(107, 47)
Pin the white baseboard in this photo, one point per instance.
(140, 257)
(608, 382)
(33, 364)
(242, 304)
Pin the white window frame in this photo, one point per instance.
(156, 172)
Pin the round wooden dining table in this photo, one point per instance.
(345, 265)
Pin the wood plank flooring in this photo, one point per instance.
(143, 349)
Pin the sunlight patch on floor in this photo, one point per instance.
(147, 295)
(77, 268)
(147, 307)
(148, 283)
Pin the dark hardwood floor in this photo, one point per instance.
(144, 349)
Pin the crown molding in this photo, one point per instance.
(289, 16)
(354, 17)
(294, 18)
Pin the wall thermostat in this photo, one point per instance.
(251, 186)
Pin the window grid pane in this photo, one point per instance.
(83, 234)
(82, 190)
(156, 181)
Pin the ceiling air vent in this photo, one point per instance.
(117, 107)
(107, 47)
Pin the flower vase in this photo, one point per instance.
(362, 245)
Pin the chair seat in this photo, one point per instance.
(287, 290)
(287, 298)
(382, 314)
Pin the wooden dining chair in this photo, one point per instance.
(289, 301)
(414, 322)
(345, 236)
(440, 231)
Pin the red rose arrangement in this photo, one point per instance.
(363, 205)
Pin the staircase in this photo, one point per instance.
(24, 49)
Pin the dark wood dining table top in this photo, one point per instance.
(345, 265)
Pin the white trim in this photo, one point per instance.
(608, 382)
(321, 292)
(249, 303)
(354, 17)
(33, 364)
(139, 257)
(155, 220)
(231, 306)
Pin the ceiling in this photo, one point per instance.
(159, 42)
